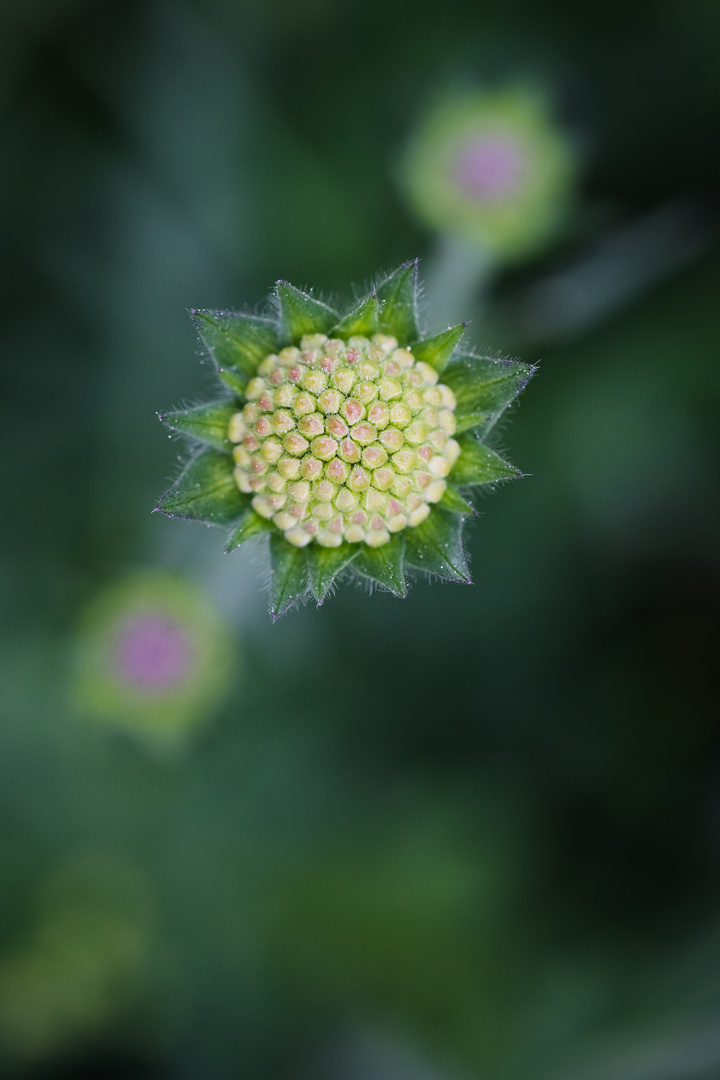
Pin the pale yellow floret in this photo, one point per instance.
(314, 381)
(255, 388)
(329, 539)
(427, 373)
(276, 482)
(238, 428)
(439, 465)
(418, 515)
(313, 341)
(452, 451)
(435, 491)
(297, 536)
(288, 467)
(268, 365)
(385, 342)
(326, 467)
(271, 450)
(262, 506)
(377, 537)
(300, 491)
(284, 520)
(242, 480)
(447, 421)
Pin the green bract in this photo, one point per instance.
(351, 440)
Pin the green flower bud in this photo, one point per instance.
(152, 658)
(491, 168)
(340, 448)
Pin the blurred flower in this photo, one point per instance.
(339, 441)
(153, 657)
(85, 961)
(491, 168)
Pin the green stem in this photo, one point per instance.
(458, 279)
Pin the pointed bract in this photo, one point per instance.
(237, 343)
(478, 464)
(435, 546)
(399, 295)
(484, 387)
(324, 565)
(203, 423)
(456, 503)
(436, 351)
(364, 319)
(205, 491)
(250, 525)
(288, 574)
(301, 313)
(384, 565)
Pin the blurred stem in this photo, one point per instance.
(457, 280)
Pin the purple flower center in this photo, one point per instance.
(152, 653)
(489, 168)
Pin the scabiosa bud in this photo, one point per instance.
(153, 657)
(492, 168)
(351, 439)
(85, 959)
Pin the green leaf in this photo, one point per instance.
(324, 564)
(288, 580)
(384, 564)
(250, 525)
(363, 320)
(205, 423)
(436, 351)
(435, 546)
(453, 501)
(484, 388)
(237, 343)
(301, 313)
(478, 464)
(205, 491)
(399, 312)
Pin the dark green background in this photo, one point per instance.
(481, 823)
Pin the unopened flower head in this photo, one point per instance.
(152, 656)
(350, 439)
(344, 441)
(492, 168)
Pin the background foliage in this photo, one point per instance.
(472, 833)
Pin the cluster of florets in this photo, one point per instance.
(344, 440)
